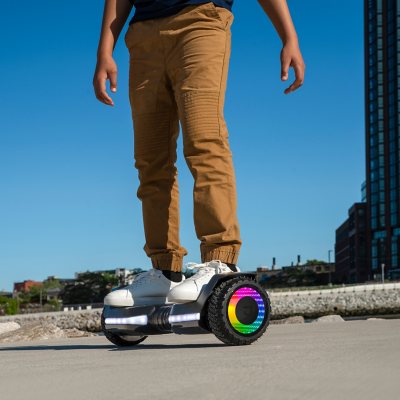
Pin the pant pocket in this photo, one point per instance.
(221, 14)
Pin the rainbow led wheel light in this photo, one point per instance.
(246, 329)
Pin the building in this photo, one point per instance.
(25, 285)
(322, 273)
(53, 293)
(342, 252)
(263, 274)
(382, 83)
(351, 257)
(320, 268)
(381, 189)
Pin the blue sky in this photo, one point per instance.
(67, 181)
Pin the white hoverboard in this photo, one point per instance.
(234, 307)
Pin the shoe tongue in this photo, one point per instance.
(213, 262)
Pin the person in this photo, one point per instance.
(178, 67)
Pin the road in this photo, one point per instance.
(348, 360)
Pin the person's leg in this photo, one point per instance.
(197, 61)
(156, 128)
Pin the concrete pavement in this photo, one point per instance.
(347, 360)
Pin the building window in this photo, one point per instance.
(379, 235)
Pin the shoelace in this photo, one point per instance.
(206, 267)
(144, 276)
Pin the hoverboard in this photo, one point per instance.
(233, 306)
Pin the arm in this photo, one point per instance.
(115, 15)
(278, 12)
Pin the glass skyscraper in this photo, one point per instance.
(382, 105)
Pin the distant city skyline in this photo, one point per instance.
(68, 184)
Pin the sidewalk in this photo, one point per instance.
(348, 360)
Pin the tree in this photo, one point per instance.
(294, 277)
(90, 287)
(8, 306)
(315, 262)
(51, 284)
(35, 293)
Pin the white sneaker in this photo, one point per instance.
(150, 287)
(190, 289)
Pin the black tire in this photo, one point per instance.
(219, 320)
(116, 339)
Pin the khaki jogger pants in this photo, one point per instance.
(178, 72)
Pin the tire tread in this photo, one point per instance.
(218, 321)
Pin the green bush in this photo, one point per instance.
(53, 305)
(10, 306)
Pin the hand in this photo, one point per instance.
(106, 68)
(291, 57)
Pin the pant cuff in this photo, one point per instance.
(167, 262)
(226, 256)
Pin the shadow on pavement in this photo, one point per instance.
(168, 346)
(112, 348)
(60, 347)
